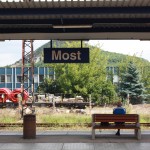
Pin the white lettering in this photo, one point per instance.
(79, 55)
(73, 56)
(56, 56)
(65, 56)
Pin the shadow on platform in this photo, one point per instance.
(74, 137)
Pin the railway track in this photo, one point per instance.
(57, 125)
(79, 105)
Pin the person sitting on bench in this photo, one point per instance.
(119, 110)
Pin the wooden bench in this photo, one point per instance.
(131, 122)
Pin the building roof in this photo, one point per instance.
(75, 19)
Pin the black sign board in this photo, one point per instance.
(66, 55)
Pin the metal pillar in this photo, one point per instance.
(28, 68)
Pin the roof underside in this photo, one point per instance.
(97, 19)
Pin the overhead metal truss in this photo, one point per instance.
(72, 3)
(28, 68)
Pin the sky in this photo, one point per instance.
(11, 51)
(128, 47)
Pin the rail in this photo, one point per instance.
(57, 124)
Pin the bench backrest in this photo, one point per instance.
(115, 118)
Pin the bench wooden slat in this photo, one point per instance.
(113, 126)
(115, 118)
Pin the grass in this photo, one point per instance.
(9, 115)
(8, 119)
(145, 118)
(65, 118)
(47, 115)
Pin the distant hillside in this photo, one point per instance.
(113, 58)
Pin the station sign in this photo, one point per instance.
(66, 55)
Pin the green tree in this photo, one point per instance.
(131, 85)
(107, 92)
(83, 79)
(145, 73)
(49, 86)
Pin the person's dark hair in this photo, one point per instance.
(119, 103)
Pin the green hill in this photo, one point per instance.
(115, 58)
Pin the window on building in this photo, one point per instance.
(116, 70)
(41, 78)
(9, 78)
(18, 78)
(2, 78)
(35, 78)
(25, 78)
(111, 69)
(115, 79)
(50, 77)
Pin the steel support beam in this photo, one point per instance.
(74, 11)
(27, 68)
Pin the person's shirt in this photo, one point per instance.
(119, 110)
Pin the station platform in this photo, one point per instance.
(74, 140)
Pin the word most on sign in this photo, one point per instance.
(66, 55)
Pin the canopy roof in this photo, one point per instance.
(78, 19)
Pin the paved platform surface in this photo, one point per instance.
(74, 140)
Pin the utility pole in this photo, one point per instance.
(27, 69)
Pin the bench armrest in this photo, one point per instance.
(137, 124)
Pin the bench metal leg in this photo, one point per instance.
(135, 132)
(139, 134)
(93, 134)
